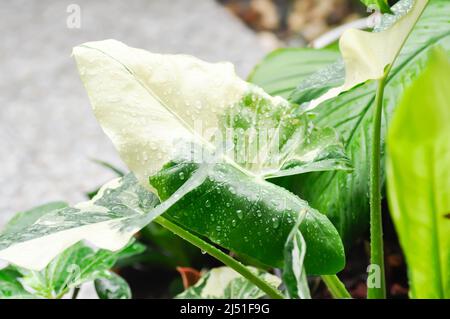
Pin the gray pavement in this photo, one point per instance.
(47, 130)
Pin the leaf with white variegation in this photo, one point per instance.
(110, 285)
(151, 106)
(225, 283)
(294, 274)
(108, 221)
(10, 286)
(73, 267)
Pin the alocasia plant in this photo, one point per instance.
(202, 145)
(225, 283)
(69, 270)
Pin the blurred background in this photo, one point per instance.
(48, 135)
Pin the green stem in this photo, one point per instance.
(336, 287)
(76, 290)
(377, 288)
(221, 256)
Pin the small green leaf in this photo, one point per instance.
(294, 273)
(381, 5)
(111, 286)
(418, 176)
(75, 266)
(10, 286)
(225, 283)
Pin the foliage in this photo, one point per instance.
(225, 283)
(341, 196)
(213, 159)
(381, 5)
(419, 178)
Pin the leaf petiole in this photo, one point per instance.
(376, 225)
(221, 256)
(336, 287)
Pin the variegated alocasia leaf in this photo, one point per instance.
(152, 106)
(367, 55)
(179, 122)
(110, 285)
(73, 267)
(108, 221)
(11, 287)
(225, 283)
(294, 274)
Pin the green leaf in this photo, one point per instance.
(108, 221)
(112, 286)
(27, 218)
(248, 217)
(281, 71)
(294, 273)
(381, 5)
(225, 283)
(75, 266)
(10, 286)
(418, 176)
(341, 196)
(150, 111)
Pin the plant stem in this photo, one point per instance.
(377, 291)
(221, 256)
(75, 292)
(336, 287)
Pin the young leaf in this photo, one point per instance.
(381, 5)
(294, 274)
(343, 196)
(150, 105)
(107, 221)
(10, 286)
(75, 266)
(111, 286)
(281, 71)
(225, 283)
(418, 176)
(366, 55)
